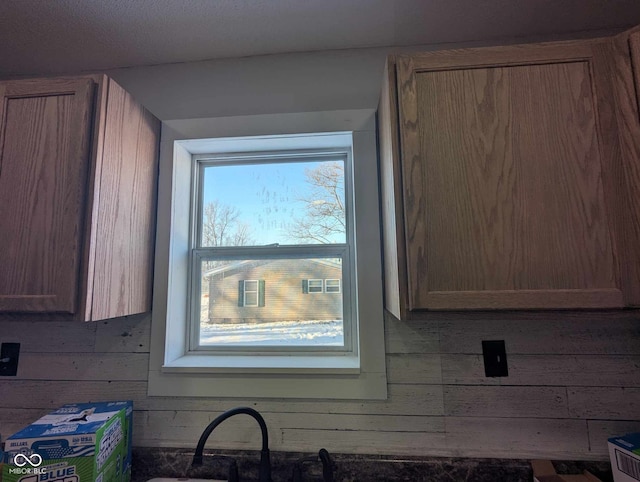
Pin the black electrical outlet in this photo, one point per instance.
(9, 353)
(495, 358)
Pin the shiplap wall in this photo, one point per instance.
(574, 380)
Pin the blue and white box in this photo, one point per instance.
(624, 453)
(82, 442)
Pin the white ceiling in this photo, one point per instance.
(53, 36)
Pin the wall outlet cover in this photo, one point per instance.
(9, 354)
(495, 358)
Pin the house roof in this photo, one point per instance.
(237, 266)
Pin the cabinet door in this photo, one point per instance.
(44, 140)
(625, 72)
(504, 161)
(125, 233)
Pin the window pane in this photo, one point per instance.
(250, 298)
(278, 312)
(332, 286)
(273, 202)
(315, 286)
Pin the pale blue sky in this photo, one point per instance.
(266, 195)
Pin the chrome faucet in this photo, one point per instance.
(264, 474)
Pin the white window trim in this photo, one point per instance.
(244, 292)
(309, 285)
(174, 373)
(339, 290)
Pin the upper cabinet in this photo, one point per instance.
(78, 171)
(503, 181)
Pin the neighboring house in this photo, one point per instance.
(275, 290)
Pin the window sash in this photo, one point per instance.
(332, 286)
(272, 157)
(315, 286)
(250, 291)
(340, 251)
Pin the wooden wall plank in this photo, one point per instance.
(50, 336)
(169, 420)
(501, 401)
(84, 366)
(423, 400)
(547, 370)
(414, 369)
(184, 428)
(382, 423)
(242, 432)
(604, 403)
(130, 334)
(545, 333)
(601, 430)
(14, 419)
(45, 394)
(517, 437)
(469, 370)
(411, 336)
(365, 442)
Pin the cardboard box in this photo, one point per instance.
(128, 405)
(624, 453)
(543, 471)
(85, 442)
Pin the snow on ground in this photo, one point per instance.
(279, 333)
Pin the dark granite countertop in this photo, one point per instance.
(163, 462)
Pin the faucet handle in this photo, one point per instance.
(327, 466)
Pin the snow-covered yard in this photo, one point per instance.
(280, 333)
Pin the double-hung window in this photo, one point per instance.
(261, 223)
(268, 274)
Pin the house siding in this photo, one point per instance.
(284, 299)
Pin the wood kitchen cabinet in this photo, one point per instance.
(503, 181)
(78, 175)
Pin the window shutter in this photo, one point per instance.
(241, 292)
(305, 286)
(261, 292)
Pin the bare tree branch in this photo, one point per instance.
(221, 227)
(324, 219)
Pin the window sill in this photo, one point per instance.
(266, 364)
